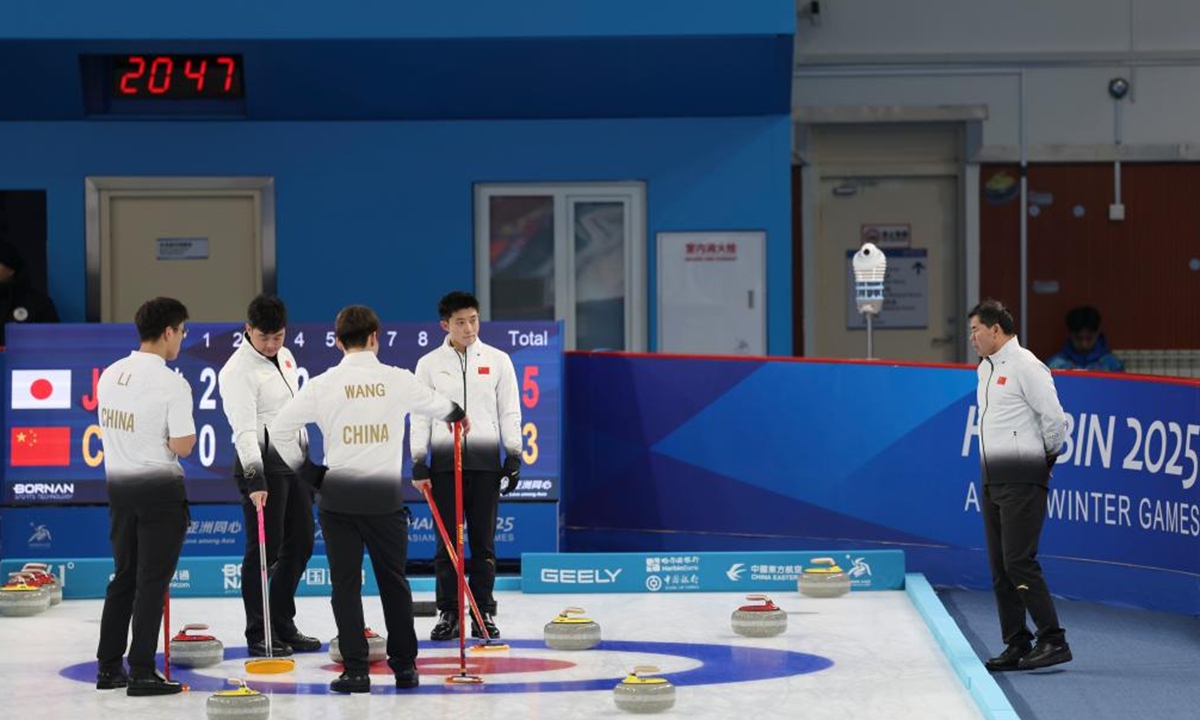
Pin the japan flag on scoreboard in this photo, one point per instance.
(41, 389)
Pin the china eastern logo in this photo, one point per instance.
(734, 573)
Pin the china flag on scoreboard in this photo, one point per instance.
(40, 446)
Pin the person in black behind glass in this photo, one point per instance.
(20, 303)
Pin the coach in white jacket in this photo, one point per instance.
(1021, 431)
(360, 405)
(255, 383)
(483, 380)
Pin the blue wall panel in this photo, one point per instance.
(381, 213)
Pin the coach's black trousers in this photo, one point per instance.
(1013, 515)
(146, 542)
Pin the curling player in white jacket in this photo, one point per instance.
(255, 383)
(482, 379)
(1021, 431)
(359, 405)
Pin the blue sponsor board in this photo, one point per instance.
(194, 577)
(701, 572)
(52, 370)
(208, 577)
(82, 532)
(78, 533)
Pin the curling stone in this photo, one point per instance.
(46, 579)
(640, 694)
(240, 704)
(376, 647)
(196, 650)
(19, 598)
(567, 632)
(823, 579)
(762, 620)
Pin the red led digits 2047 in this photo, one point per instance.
(177, 77)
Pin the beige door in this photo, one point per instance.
(203, 247)
(897, 186)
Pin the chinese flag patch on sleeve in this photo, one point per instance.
(40, 447)
(485, 370)
(1001, 380)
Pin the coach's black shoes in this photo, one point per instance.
(111, 679)
(351, 683)
(489, 624)
(155, 684)
(1045, 654)
(1009, 659)
(446, 628)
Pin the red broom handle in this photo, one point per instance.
(460, 566)
(437, 519)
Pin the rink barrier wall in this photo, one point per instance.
(775, 572)
(675, 454)
(993, 704)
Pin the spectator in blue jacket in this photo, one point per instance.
(1086, 347)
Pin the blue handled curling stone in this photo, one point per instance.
(762, 619)
(376, 647)
(200, 650)
(823, 579)
(640, 694)
(571, 631)
(242, 703)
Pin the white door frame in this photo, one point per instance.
(565, 194)
(93, 186)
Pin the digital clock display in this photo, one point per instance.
(176, 77)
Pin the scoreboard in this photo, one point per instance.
(56, 450)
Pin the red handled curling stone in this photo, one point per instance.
(188, 650)
(763, 619)
(376, 647)
(46, 579)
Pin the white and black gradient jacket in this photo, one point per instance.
(1021, 423)
(253, 391)
(142, 405)
(484, 383)
(359, 405)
